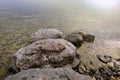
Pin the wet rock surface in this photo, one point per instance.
(49, 74)
(44, 53)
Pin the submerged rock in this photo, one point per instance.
(104, 58)
(45, 53)
(75, 39)
(49, 74)
(45, 34)
(86, 37)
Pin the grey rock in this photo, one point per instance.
(86, 37)
(75, 39)
(48, 74)
(46, 34)
(45, 53)
(104, 58)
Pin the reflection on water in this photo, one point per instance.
(20, 18)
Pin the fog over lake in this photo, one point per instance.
(77, 14)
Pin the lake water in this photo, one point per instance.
(20, 18)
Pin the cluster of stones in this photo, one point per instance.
(49, 57)
(109, 71)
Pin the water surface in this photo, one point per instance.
(20, 18)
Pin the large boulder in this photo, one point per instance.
(46, 34)
(45, 53)
(48, 74)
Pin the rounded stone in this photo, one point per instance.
(45, 34)
(75, 39)
(44, 53)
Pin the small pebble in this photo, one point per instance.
(110, 64)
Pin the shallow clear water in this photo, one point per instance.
(20, 18)
(70, 15)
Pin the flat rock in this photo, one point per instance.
(44, 53)
(46, 34)
(48, 74)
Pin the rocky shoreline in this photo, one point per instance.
(49, 56)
